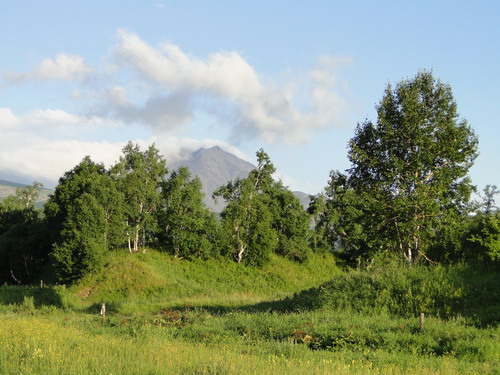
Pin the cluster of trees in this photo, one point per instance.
(137, 204)
(406, 193)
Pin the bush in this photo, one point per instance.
(468, 290)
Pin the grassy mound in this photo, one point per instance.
(142, 283)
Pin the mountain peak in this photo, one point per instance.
(215, 167)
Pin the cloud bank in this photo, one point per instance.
(228, 87)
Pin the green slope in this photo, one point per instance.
(138, 282)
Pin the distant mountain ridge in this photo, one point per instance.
(9, 188)
(10, 183)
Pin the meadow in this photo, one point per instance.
(171, 316)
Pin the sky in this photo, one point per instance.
(292, 77)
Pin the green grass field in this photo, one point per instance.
(171, 316)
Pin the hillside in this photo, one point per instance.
(8, 188)
(156, 279)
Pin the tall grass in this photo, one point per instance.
(132, 282)
(239, 343)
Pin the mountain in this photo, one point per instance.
(10, 184)
(215, 167)
(304, 198)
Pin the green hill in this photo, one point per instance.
(134, 283)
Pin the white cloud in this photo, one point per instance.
(46, 160)
(227, 86)
(63, 67)
(168, 89)
(51, 116)
(8, 119)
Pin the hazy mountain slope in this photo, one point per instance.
(303, 197)
(214, 167)
(9, 188)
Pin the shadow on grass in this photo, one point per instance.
(41, 296)
(467, 291)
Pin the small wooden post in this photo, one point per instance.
(422, 319)
(41, 283)
(103, 311)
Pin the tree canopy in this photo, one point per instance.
(187, 228)
(262, 217)
(408, 176)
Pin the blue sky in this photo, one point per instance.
(293, 77)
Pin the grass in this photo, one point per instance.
(168, 316)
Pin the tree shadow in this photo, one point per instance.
(299, 302)
(41, 296)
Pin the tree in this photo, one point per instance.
(188, 228)
(81, 179)
(489, 199)
(91, 178)
(140, 175)
(246, 216)
(339, 222)
(249, 224)
(28, 194)
(408, 176)
(290, 221)
(23, 245)
(487, 236)
(86, 220)
(262, 217)
(83, 247)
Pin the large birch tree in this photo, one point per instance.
(140, 175)
(408, 176)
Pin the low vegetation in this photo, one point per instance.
(206, 317)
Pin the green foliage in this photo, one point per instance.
(263, 217)
(86, 218)
(86, 177)
(82, 249)
(146, 281)
(139, 175)
(470, 291)
(23, 244)
(248, 221)
(290, 222)
(408, 178)
(487, 235)
(188, 228)
(213, 332)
